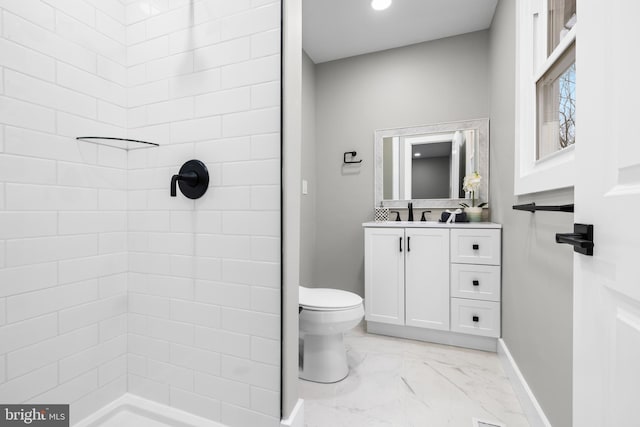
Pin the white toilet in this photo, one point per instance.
(324, 317)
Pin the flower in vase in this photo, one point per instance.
(471, 184)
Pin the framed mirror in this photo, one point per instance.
(426, 165)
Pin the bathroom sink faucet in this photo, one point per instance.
(410, 218)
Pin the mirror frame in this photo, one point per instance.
(482, 125)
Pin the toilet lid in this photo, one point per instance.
(327, 299)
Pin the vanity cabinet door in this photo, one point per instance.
(427, 278)
(384, 275)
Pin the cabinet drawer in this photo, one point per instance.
(475, 246)
(481, 282)
(475, 317)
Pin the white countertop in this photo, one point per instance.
(430, 224)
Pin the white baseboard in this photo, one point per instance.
(296, 417)
(528, 401)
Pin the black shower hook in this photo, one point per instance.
(353, 155)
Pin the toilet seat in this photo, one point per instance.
(324, 299)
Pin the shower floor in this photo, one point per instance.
(134, 411)
(126, 418)
(398, 382)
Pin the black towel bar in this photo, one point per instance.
(531, 207)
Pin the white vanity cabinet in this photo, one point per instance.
(407, 276)
(434, 282)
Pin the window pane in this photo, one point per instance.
(556, 93)
(562, 17)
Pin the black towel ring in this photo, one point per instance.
(353, 155)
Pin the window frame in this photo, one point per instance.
(556, 170)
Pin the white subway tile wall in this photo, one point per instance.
(107, 284)
(63, 208)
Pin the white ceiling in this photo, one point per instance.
(334, 29)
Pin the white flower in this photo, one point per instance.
(471, 182)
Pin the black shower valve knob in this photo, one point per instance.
(192, 179)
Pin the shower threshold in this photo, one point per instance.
(134, 411)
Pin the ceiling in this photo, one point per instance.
(334, 29)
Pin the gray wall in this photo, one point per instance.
(440, 81)
(537, 273)
(431, 178)
(308, 201)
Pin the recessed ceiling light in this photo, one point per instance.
(417, 154)
(380, 4)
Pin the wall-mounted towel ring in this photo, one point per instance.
(353, 156)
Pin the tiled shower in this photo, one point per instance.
(107, 284)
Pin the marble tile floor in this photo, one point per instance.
(395, 382)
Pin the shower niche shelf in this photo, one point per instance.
(122, 143)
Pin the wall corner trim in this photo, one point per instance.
(296, 417)
(528, 401)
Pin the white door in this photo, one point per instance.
(384, 250)
(607, 194)
(427, 278)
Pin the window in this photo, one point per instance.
(546, 94)
(561, 19)
(556, 106)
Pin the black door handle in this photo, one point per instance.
(581, 239)
(476, 283)
(401, 244)
(475, 246)
(409, 244)
(476, 318)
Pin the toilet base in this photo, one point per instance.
(324, 358)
